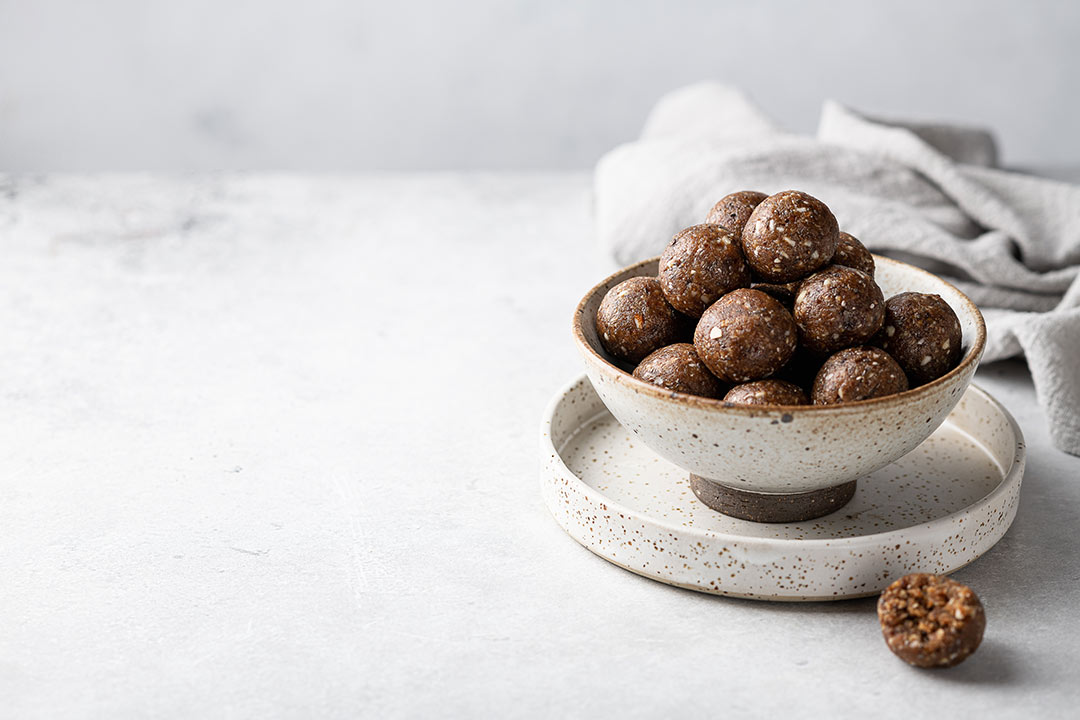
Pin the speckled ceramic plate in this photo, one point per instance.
(936, 509)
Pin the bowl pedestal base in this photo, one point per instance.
(771, 507)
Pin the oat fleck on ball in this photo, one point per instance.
(635, 318)
(837, 308)
(699, 265)
(677, 367)
(857, 374)
(931, 621)
(789, 235)
(853, 254)
(923, 333)
(733, 210)
(745, 335)
(767, 392)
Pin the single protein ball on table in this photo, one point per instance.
(745, 335)
(788, 236)
(767, 392)
(923, 333)
(837, 308)
(733, 210)
(699, 265)
(635, 318)
(853, 254)
(857, 374)
(677, 367)
(931, 621)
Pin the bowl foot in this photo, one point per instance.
(770, 507)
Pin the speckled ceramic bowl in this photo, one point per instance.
(776, 450)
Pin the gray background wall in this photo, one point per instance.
(337, 85)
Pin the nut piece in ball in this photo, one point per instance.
(853, 254)
(789, 235)
(767, 392)
(677, 367)
(745, 335)
(635, 318)
(701, 264)
(931, 621)
(837, 308)
(856, 374)
(733, 210)
(923, 333)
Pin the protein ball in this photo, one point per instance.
(837, 308)
(701, 264)
(745, 335)
(856, 374)
(853, 254)
(923, 333)
(767, 392)
(635, 318)
(677, 367)
(789, 235)
(931, 621)
(733, 210)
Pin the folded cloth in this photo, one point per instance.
(926, 194)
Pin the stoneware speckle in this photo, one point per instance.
(934, 510)
(781, 450)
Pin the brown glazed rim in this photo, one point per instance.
(970, 358)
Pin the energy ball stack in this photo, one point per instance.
(785, 312)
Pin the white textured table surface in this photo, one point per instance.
(269, 449)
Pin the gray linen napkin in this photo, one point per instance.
(926, 194)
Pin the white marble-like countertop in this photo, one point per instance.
(269, 449)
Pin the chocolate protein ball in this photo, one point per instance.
(853, 254)
(788, 236)
(931, 621)
(700, 264)
(635, 318)
(745, 335)
(837, 308)
(767, 392)
(733, 210)
(923, 333)
(858, 373)
(677, 367)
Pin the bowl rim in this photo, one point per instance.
(971, 358)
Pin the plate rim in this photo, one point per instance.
(1010, 477)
